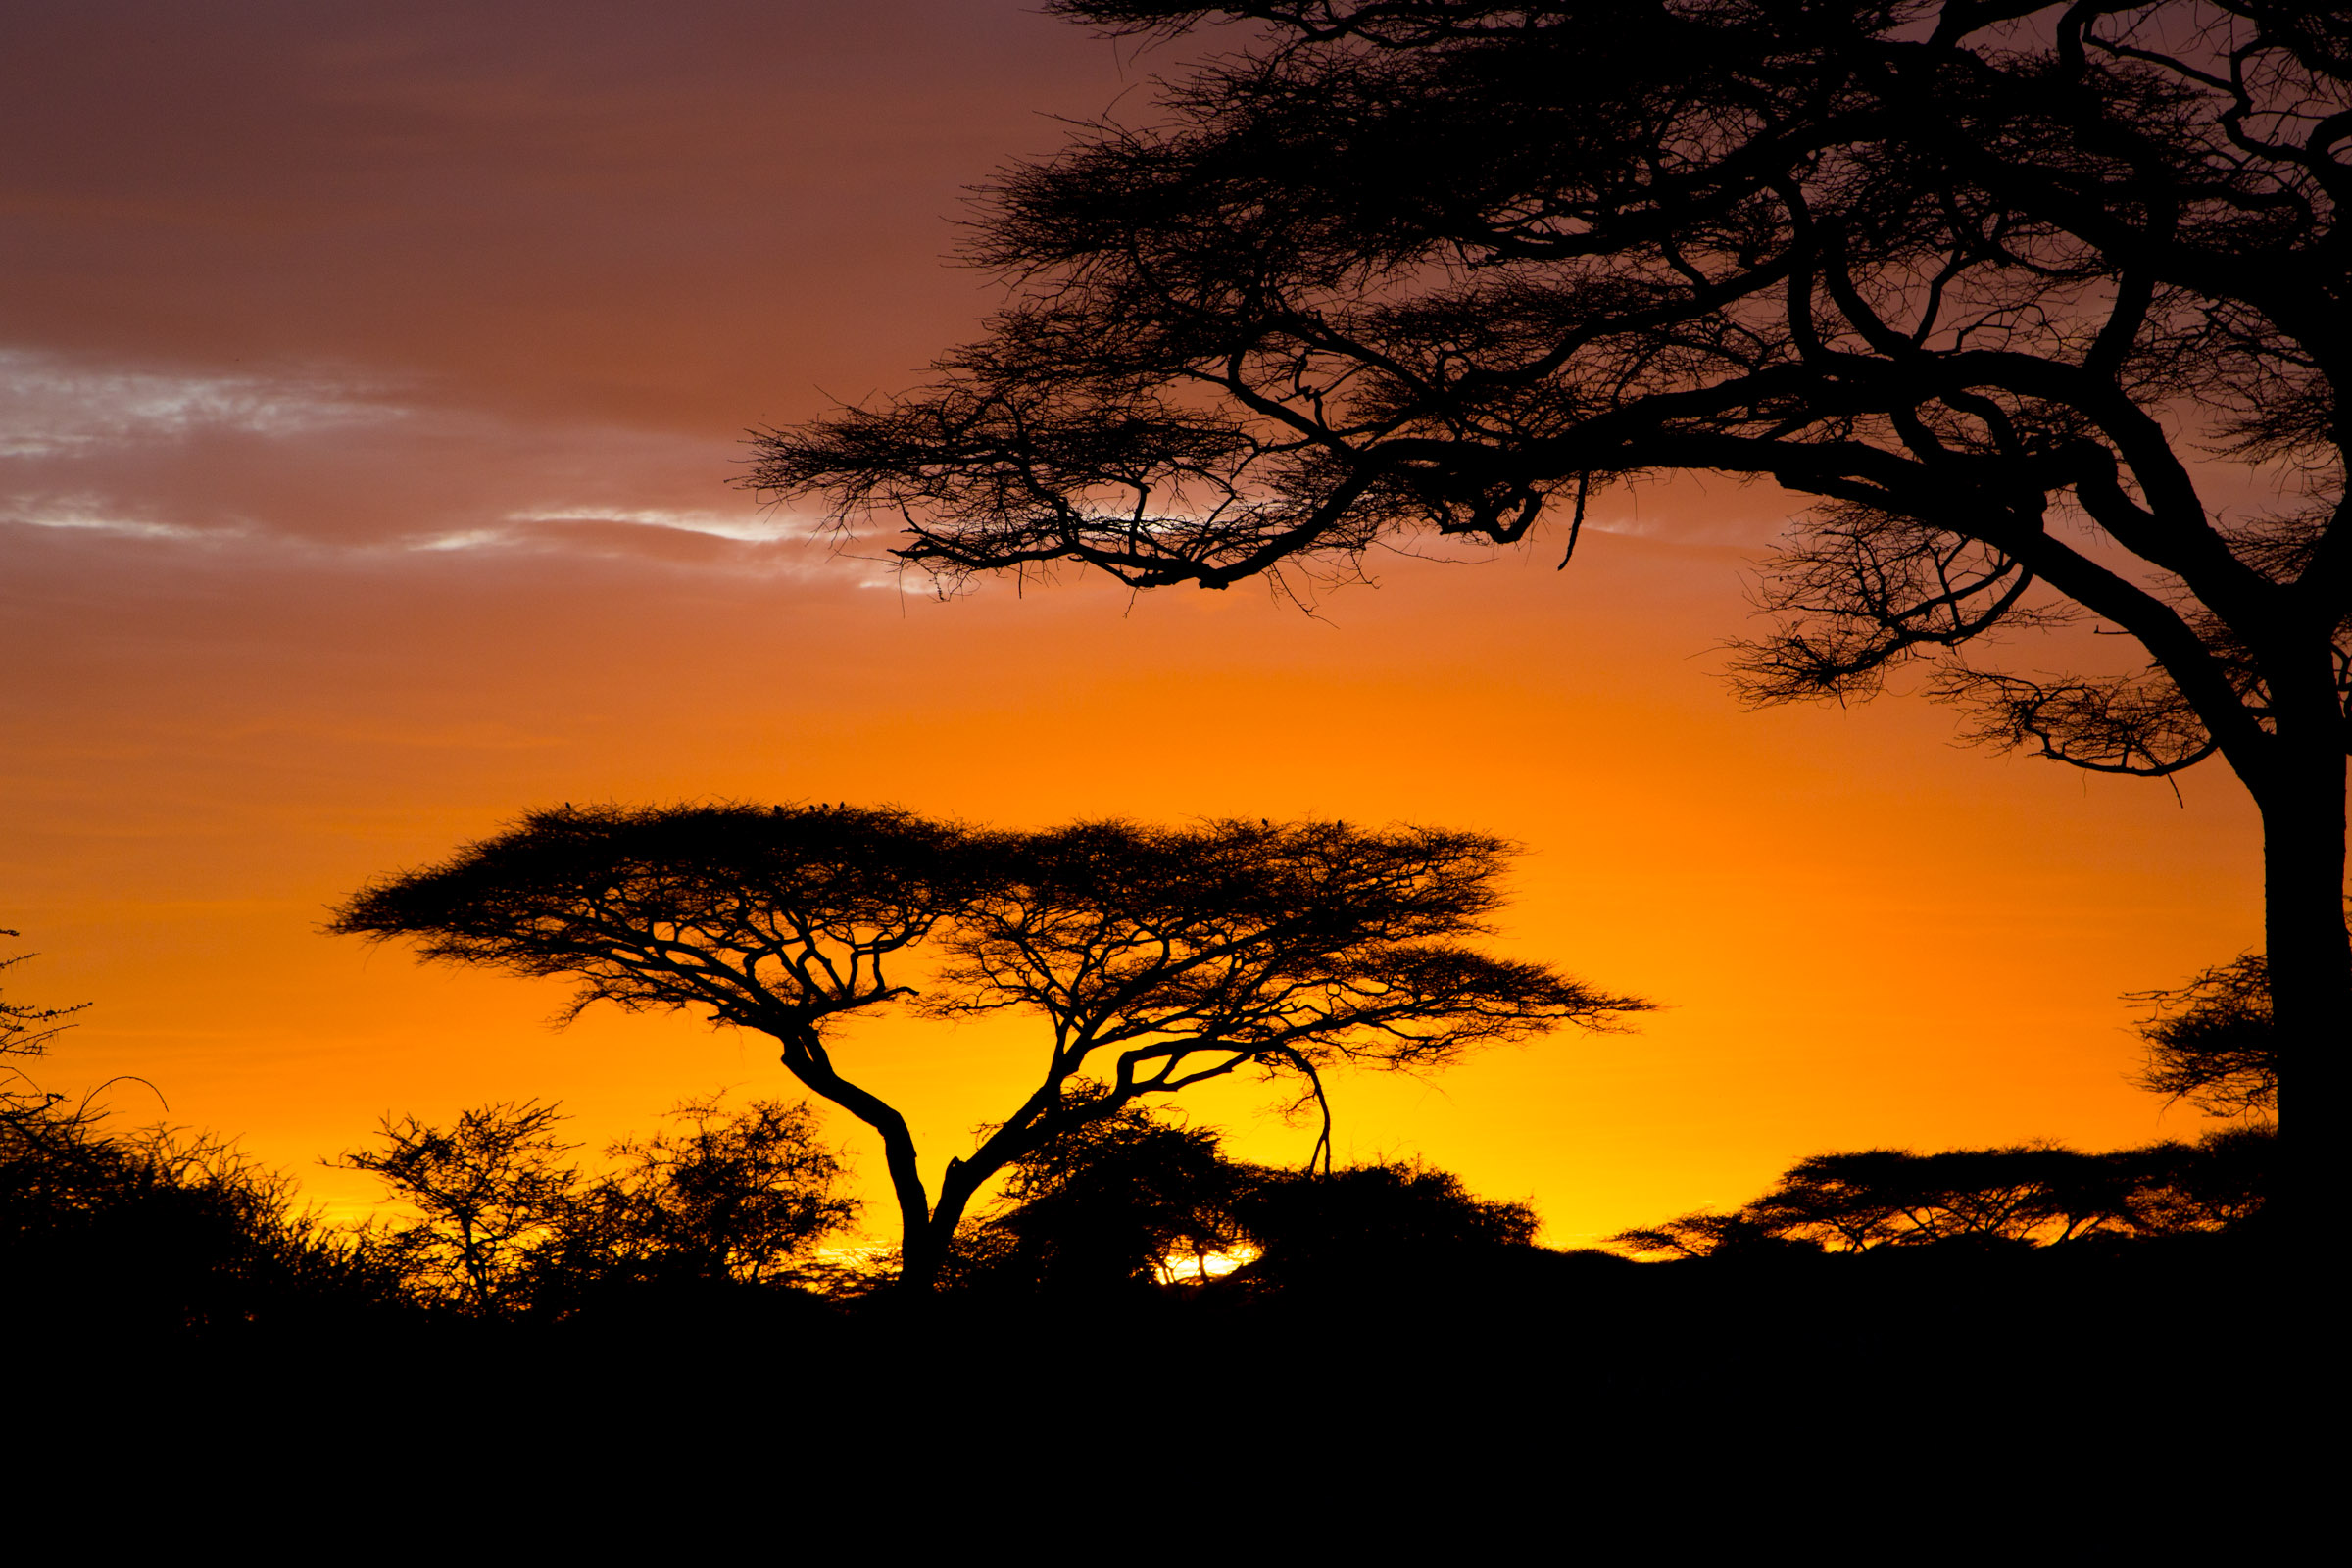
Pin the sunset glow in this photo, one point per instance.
(370, 387)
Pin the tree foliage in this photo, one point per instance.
(2025, 1195)
(1384, 1221)
(1158, 957)
(2016, 294)
(720, 1197)
(1184, 954)
(1134, 1200)
(508, 1223)
(1116, 1204)
(492, 1189)
(2214, 1042)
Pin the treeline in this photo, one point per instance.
(741, 1208)
(146, 1232)
(727, 1210)
(2031, 1194)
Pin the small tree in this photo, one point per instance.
(493, 1188)
(721, 1196)
(2026, 1194)
(1159, 957)
(1113, 1204)
(1395, 1221)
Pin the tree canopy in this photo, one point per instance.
(1136, 1201)
(1158, 957)
(2028, 1195)
(508, 1223)
(2018, 296)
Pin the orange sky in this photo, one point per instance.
(368, 386)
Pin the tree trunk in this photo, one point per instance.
(804, 1058)
(2303, 824)
(924, 1258)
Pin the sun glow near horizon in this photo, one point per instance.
(370, 486)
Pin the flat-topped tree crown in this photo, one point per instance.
(1165, 956)
(771, 918)
(1159, 957)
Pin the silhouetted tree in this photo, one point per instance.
(776, 919)
(2221, 1182)
(2213, 1042)
(1872, 1198)
(494, 1189)
(1132, 1200)
(722, 1197)
(1165, 958)
(1391, 1222)
(1119, 1203)
(1738, 1235)
(2028, 1195)
(2017, 291)
(1186, 954)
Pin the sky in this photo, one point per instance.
(372, 383)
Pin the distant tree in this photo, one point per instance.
(2014, 295)
(1279, 949)
(2214, 1042)
(1872, 1198)
(775, 919)
(1392, 1222)
(1159, 957)
(493, 1189)
(2222, 1182)
(1703, 1234)
(2026, 1194)
(1120, 1203)
(722, 1195)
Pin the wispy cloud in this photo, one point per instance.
(295, 460)
(50, 407)
(88, 514)
(761, 527)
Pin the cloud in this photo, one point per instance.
(51, 407)
(88, 514)
(302, 459)
(752, 525)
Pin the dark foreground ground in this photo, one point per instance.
(2154, 1365)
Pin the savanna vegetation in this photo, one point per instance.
(1121, 1216)
(2005, 292)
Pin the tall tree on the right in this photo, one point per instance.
(2026, 296)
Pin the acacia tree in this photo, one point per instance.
(2014, 291)
(1160, 959)
(2030, 1193)
(493, 1188)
